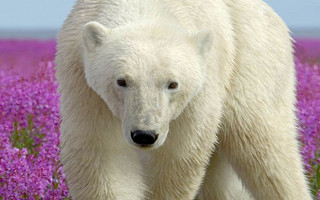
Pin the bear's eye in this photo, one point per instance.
(122, 83)
(173, 85)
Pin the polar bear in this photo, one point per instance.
(172, 99)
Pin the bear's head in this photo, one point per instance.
(146, 74)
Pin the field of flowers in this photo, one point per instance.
(29, 119)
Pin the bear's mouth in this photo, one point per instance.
(145, 147)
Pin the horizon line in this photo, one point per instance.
(52, 33)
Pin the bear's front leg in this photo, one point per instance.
(221, 181)
(98, 163)
(265, 153)
(177, 168)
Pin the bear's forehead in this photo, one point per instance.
(146, 65)
(146, 56)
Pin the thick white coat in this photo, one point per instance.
(232, 119)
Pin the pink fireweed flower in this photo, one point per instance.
(30, 107)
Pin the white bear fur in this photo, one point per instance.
(232, 117)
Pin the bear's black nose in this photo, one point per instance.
(144, 138)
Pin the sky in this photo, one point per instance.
(50, 14)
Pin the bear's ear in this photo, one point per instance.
(203, 41)
(94, 34)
